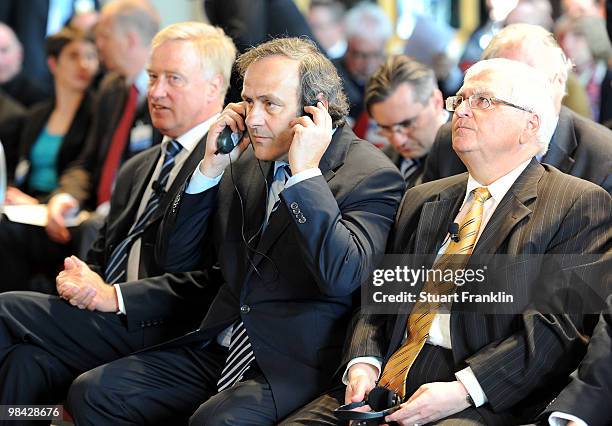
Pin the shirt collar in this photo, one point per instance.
(501, 186)
(190, 139)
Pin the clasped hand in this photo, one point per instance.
(84, 288)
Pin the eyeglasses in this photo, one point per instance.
(480, 102)
(401, 127)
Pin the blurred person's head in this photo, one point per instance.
(189, 74)
(123, 35)
(503, 116)
(403, 98)
(534, 12)
(11, 54)
(578, 8)
(585, 40)
(536, 47)
(499, 9)
(326, 19)
(282, 76)
(72, 58)
(367, 31)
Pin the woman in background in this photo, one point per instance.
(53, 132)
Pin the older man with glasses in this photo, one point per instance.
(403, 98)
(449, 363)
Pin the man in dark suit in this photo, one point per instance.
(403, 98)
(483, 366)
(292, 259)
(590, 391)
(121, 128)
(579, 147)
(44, 341)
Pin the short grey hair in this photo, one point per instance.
(529, 38)
(216, 50)
(317, 74)
(367, 20)
(529, 88)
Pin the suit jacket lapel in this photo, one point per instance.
(563, 143)
(142, 177)
(280, 219)
(256, 195)
(511, 210)
(181, 178)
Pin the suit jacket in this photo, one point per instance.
(396, 158)
(81, 179)
(293, 286)
(579, 147)
(518, 360)
(139, 296)
(591, 391)
(73, 142)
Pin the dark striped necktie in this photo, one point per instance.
(116, 269)
(240, 352)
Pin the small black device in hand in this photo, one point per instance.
(381, 400)
(227, 140)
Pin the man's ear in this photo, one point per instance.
(214, 87)
(437, 99)
(132, 38)
(321, 98)
(52, 64)
(531, 128)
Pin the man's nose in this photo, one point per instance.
(254, 117)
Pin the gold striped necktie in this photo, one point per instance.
(423, 312)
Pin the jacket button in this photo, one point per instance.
(245, 309)
(302, 220)
(294, 205)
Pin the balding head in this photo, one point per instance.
(11, 54)
(124, 34)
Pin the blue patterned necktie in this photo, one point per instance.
(241, 354)
(116, 269)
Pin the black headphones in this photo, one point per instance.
(383, 402)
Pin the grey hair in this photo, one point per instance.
(216, 50)
(367, 20)
(529, 88)
(318, 76)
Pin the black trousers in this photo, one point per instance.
(170, 386)
(434, 364)
(45, 343)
